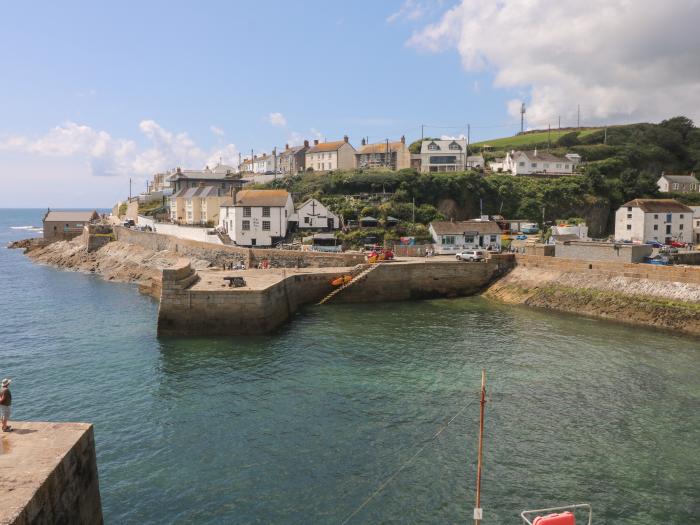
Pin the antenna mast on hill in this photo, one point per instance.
(522, 117)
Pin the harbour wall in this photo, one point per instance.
(49, 474)
(187, 311)
(665, 297)
(225, 254)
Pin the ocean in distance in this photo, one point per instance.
(303, 425)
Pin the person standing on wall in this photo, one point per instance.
(5, 403)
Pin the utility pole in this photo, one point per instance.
(549, 135)
(522, 117)
(386, 157)
(252, 166)
(421, 131)
(414, 211)
(129, 188)
(477, 509)
(468, 137)
(605, 135)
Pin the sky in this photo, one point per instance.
(93, 94)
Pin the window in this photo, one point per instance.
(455, 146)
(656, 227)
(266, 211)
(521, 164)
(246, 212)
(681, 215)
(307, 220)
(546, 164)
(680, 226)
(468, 239)
(448, 239)
(566, 166)
(669, 217)
(245, 225)
(433, 147)
(494, 238)
(558, 165)
(266, 226)
(656, 216)
(443, 159)
(629, 215)
(534, 164)
(675, 185)
(629, 226)
(629, 208)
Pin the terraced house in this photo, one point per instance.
(329, 156)
(390, 155)
(257, 217)
(536, 163)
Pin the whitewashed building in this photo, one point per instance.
(443, 155)
(451, 237)
(662, 220)
(536, 163)
(328, 156)
(314, 215)
(696, 224)
(257, 217)
(668, 183)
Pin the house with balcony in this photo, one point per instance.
(329, 156)
(443, 155)
(257, 217)
(390, 155)
(662, 220)
(198, 206)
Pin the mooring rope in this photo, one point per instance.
(405, 464)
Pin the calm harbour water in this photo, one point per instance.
(303, 425)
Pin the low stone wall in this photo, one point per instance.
(603, 251)
(48, 474)
(95, 236)
(224, 254)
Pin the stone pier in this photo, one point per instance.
(48, 474)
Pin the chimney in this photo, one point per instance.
(535, 152)
(345, 138)
(179, 170)
(403, 139)
(306, 143)
(286, 146)
(234, 193)
(315, 142)
(363, 141)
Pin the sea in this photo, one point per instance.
(363, 413)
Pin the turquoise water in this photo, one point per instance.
(302, 426)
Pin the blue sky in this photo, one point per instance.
(94, 92)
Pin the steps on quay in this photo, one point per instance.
(356, 279)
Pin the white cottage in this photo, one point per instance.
(314, 215)
(452, 237)
(662, 220)
(536, 162)
(257, 217)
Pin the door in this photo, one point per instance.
(252, 242)
(330, 224)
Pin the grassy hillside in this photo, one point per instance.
(531, 138)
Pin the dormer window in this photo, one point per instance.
(433, 147)
(455, 146)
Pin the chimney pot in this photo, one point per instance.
(306, 143)
(315, 142)
(363, 141)
(403, 139)
(345, 138)
(286, 146)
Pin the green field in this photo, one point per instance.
(534, 137)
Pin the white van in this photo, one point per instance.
(471, 255)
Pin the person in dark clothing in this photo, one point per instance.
(5, 404)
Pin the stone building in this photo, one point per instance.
(663, 220)
(293, 159)
(390, 155)
(64, 225)
(678, 183)
(257, 217)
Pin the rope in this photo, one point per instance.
(404, 465)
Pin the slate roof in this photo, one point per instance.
(658, 206)
(543, 156)
(273, 198)
(680, 179)
(460, 227)
(444, 146)
(380, 147)
(70, 216)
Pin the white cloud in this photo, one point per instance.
(620, 60)
(217, 131)
(409, 10)
(297, 138)
(107, 155)
(277, 119)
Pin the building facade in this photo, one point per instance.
(257, 217)
(443, 155)
(222, 176)
(389, 155)
(65, 225)
(451, 237)
(329, 156)
(314, 215)
(663, 220)
(678, 183)
(535, 163)
(292, 160)
(198, 206)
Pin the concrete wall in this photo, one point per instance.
(596, 251)
(48, 474)
(186, 232)
(95, 236)
(220, 254)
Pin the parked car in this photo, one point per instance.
(521, 237)
(678, 244)
(530, 229)
(129, 223)
(654, 243)
(658, 260)
(471, 255)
